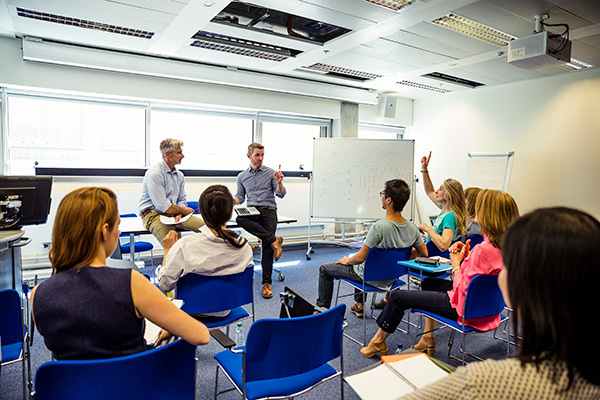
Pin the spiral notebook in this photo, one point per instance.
(392, 380)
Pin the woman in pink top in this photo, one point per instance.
(495, 210)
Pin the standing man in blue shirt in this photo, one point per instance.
(163, 192)
(260, 185)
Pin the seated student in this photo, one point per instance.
(86, 310)
(495, 211)
(394, 231)
(471, 194)
(215, 250)
(451, 223)
(550, 277)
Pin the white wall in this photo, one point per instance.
(552, 125)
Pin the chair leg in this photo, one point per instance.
(217, 383)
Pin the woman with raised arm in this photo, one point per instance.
(451, 222)
(495, 210)
(87, 310)
(550, 277)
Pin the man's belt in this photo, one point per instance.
(143, 214)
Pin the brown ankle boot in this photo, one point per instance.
(374, 348)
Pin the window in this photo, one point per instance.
(210, 141)
(73, 134)
(290, 143)
(373, 131)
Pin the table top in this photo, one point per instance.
(134, 225)
(9, 236)
(412, 264)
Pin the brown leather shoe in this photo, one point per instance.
(267, 291)
(276, 245)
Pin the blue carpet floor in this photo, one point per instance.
(301, 275)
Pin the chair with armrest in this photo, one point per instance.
(139, 246)
(202, 294)
(14, 335)
(285, 357)
(482, 299)
(167, 372)
(380, 264)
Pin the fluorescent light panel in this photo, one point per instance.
(348, 72)
(392, 4)
(62, 54)
(424, 87)
(203, 44)
(474, 29)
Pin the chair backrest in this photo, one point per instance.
(483, 297)
(432, 250)
(11, 322)
(166, 372)
(194, 205)
(203, 294)
(475, 239)
(382, 264)
(276, 348)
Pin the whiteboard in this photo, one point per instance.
(349, 174)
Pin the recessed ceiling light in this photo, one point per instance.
(474, 29)
(343, 72)
(424, 87)
(392, 4)
(577, 64)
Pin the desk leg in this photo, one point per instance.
(131, 244)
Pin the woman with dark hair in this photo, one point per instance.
(450, 199)
(495, 211)
(86, 310)
(551, 270)
(215, 250)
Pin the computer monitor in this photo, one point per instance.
(24, 200)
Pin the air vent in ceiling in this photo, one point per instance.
(249, 48)
(250, 16)
(342, 72)
(392, 4)
(422, 86)
(82, 23)
(453, 79)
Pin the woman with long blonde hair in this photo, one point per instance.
(87, 310)
(450, 198)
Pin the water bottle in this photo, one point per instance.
(239, 335)
(399, 349)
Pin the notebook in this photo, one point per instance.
(392, 380)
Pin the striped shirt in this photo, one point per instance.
(260, 187)
(161, 188)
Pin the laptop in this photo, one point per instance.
(294, 305)
(242, 211)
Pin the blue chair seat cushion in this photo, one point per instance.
(370, 288)
(11, 352)
(272, 387)
(137, 247)
(235, 314)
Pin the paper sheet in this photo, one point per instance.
(171, 220)
(379, 383)
(420, 370)
(152, 330)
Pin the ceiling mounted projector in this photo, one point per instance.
(539, 50)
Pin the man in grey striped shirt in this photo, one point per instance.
(260, 184)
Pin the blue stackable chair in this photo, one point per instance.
(203, 294)
(14, 334)
(167, 372)
(139, 246)
(482, 299)
(285, 357)
(475, 239)
(194, 205)
(380, 264)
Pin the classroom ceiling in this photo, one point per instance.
(402, 48)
